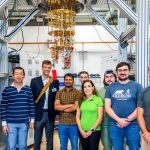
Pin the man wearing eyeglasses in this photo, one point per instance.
(121, 106)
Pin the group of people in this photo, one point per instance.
(112, 113)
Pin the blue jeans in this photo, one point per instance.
(131, 133)
(38, 132)
(65, 132)
(17, 134)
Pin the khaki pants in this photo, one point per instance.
(144, 145)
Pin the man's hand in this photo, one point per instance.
(67, 109)
(146, 137)
(122, 122)
(31, 125)
(5, 129)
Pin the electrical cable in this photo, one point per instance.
(99, 35)
(103, 40)
(19, 26)
(13, 49)
(38, 47)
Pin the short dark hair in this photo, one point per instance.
(84, 72)
(109, 72)
(90, 81)
(123, 64)
(18, 68)
(69, 75)
(46, 62)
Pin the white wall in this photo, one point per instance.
(93, 54)
(94, 34)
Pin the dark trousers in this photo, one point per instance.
(92, 142)
(38, 132)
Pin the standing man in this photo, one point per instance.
(44, 107)
(121, 106)
(109, 78)
(84, 75)
(144, 117)
(66, 102)
(17, 111)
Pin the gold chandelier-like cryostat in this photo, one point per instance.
(61, 15)
(62, 28)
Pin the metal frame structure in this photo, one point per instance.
(140, 27)
(126, 10)
(122, 23)
(142, 43)
(19, 26)
(140, 20)
(3, 4)
(103, 22)
(3, 65)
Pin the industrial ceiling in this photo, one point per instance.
(17, 9)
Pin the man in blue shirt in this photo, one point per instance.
(17, 111)
(121, 106)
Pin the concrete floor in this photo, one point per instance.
(56, 143)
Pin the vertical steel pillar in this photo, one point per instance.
(3, 64)
(3, 60)
(122, 23)
(142, 43)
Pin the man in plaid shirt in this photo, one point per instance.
(66, 102)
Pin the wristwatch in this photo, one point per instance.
(92, 129)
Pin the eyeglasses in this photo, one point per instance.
(120, 70)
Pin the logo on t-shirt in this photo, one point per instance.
(122, 94)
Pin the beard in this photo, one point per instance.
(107, 84)
(124, 79)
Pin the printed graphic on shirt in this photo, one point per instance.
(122, 94)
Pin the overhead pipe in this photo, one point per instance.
(108, 42)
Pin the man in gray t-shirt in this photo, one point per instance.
(144, 117)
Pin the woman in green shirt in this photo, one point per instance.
(89, 116)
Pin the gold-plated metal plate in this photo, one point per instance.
(61, 32)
